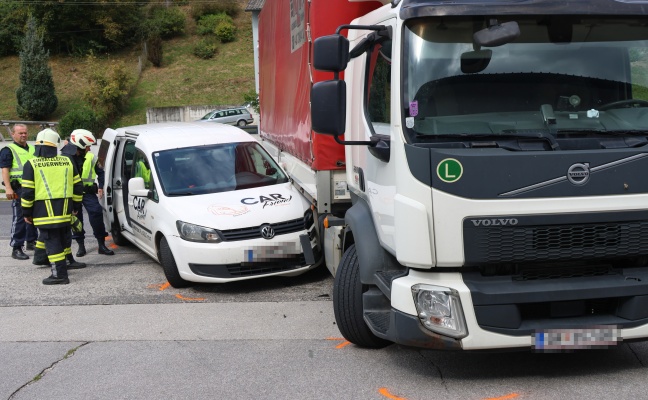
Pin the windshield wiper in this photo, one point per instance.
(626, 132)
(509, 134)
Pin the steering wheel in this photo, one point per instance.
(623, 103)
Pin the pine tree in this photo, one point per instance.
(36, 95)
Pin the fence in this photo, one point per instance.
(8, 124)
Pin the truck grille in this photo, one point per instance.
(280, 228)
(556, 242)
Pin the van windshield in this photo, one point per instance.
(561, 74)
(217, 168)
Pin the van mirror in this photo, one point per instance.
(136, 187)
(331, 53)
(328, 107)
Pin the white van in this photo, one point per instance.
(206, 201)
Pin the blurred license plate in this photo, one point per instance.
(268, 253)
(568, 339)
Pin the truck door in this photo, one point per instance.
(140, 210)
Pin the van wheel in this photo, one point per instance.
(117, 237)
(241, 123)
(169, 266)
(347, 303)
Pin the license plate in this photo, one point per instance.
(274, 252)
(571, 339)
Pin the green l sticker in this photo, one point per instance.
(449, 170)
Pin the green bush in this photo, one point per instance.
(167, 22)
(229, 7)
(207, 23)
(81, 118)
(226, 32)
(206, 48)
(107, 91)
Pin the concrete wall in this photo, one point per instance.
(186, 113)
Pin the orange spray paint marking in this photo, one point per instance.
(386, 393)
(343, 340)
(165, 286)
(159, 286)
(181, 297)
(507, 397)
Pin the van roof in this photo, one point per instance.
(166, 135)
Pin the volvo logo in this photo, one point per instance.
(579, 174)
(267, 232)
(495, 222)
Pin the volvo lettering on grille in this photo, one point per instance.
(578, 174)
(495, 222)
(267, 232)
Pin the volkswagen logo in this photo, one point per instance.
(267, 232)
(579, 174)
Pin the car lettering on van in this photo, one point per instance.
(270, 200)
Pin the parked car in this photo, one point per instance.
(208, 207)
(234, 116)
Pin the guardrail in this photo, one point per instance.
(8, 124)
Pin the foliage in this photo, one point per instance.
(229, 7)
(226, 32)
(12, 22)
(252, 98)
(107, 91)
(167, 22)
(79, 118)
(154, 51)
(36, 98)
(206, 48)
(207, 23)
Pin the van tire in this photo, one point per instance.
(169, 266)
(241, 123)
(117, 237)
(347, 303)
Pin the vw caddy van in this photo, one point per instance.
(206, 201)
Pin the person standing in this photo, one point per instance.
(12, 159)
(78, 150)
(52, 192)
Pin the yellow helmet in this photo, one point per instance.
(82, 138)
(48, 137)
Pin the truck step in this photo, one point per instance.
(379, 321)
(384, 280)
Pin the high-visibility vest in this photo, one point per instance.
(142, 171)
(53, 179)
(20, 157)
(88, 175)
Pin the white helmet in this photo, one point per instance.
(82, 138)
(48, 137)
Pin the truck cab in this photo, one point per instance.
(206, 202)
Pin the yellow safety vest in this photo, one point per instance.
(53, 179)
(88, 175)
(20, 157)
(142, 171)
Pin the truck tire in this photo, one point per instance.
(347, 303)
(169, 266)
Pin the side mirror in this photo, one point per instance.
(136, 187)
(328, 107)
(475, 61)
(331, 53)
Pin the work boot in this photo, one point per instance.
(82, 250)
(40, 257)
(30, 246)
(51, 280)
(18, 254)
(105, 250)
(72, 263)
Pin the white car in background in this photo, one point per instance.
(206, 201)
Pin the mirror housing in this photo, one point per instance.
(136, 187)
(328, 107)
(475, 61)
(331, 53)
(497, 34)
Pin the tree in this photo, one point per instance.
(36, 96)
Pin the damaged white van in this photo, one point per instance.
(206, 201)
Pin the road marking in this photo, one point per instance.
(385, 392)
(181, 297)
(160, 286)
(343, 344)
(508, 396)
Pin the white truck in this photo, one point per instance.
(206, 202)
(477, 167)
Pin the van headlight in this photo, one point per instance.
(197, 233)
(439, 310)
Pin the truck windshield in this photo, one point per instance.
(561, 76)
(218, 168)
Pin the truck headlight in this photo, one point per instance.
(197, 233)
(439, 310)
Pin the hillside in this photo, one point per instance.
(182, 80)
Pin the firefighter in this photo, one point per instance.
(78, 150)
(52, 192)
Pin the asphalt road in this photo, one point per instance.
(117, 331)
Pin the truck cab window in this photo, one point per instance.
(378, 88)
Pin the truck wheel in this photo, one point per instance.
(117, 237)
(169, 266)
(347, 303)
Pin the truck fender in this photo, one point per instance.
(372, 257)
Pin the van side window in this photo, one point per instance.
(127, 162)
(142, 169)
